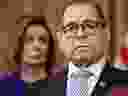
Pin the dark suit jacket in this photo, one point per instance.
(110, 78)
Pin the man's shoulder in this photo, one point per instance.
(111, 78)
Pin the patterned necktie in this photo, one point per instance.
(78, 85)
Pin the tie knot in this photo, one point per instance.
(82, 75)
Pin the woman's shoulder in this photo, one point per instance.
(57, 72)
(8, 76)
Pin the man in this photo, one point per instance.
(83, 40)
(84, 37)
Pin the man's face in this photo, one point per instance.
(35, 45)
(83, 37)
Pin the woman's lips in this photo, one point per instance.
(35, 56)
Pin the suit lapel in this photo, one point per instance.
(103, 83)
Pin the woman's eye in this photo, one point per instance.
(42, 40)
(29, 39)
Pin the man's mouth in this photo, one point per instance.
(82, 48)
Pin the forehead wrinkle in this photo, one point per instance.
(79, 20)
(78, 12)
(78, 7)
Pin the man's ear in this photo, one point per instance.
(108, 38)
(108, 35)
(107, 31)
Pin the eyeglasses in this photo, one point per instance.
(73, 27)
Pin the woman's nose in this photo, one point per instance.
(36, 44)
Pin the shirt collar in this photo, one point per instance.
(96, 69)
(101, 61)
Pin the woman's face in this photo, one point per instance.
(35, 45)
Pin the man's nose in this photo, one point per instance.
(81, 33)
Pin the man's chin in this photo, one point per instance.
(80, 59)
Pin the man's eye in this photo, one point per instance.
(91, 26)
(70, 28)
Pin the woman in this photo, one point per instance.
(36, 47)
(36, 51)
(33, 64)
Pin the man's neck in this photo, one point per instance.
(100, 60)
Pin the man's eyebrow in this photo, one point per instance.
(90, 21)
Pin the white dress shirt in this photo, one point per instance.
(96, 69)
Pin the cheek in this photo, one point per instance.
(96, 43)
(66, 45)
(27, 48)
(44, 48)
(92, 42)
(101, 39)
